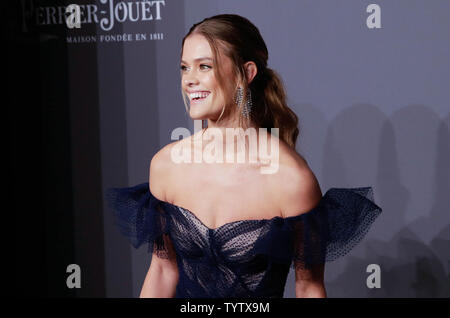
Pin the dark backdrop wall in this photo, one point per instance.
(91, 106)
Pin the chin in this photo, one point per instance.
(198, 112)
(197, 115)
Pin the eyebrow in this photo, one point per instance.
(199, 59)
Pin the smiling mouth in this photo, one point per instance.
(199, 99)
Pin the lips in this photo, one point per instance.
(197, 98)
(200, 99)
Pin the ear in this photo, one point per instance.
(251, 70)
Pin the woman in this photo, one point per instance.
(224, 229)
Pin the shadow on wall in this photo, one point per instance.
(409, 157)
(409, 268)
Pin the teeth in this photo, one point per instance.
(198, 95)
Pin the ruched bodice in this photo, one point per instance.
(246, 258)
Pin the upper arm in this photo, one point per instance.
(162, 276)
(298, 189)
(305, 194)
(158, 181)
(299, 192)
(159, 173)
(168, 265)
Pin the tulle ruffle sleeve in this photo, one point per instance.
(140, 217)
(336, 225)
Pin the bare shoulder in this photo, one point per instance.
(162, 170)
(295, 185)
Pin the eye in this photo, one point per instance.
(202, 66)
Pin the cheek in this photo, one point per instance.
(210, 82)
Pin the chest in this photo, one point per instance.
(234, 242)
(220, 194)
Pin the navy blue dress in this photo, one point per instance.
(247, 258)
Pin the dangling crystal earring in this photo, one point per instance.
(247, 108)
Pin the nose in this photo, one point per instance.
(190, 78)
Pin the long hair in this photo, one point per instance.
(238, 39)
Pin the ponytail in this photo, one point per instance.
(276, 113)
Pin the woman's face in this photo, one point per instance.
(197, 75)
